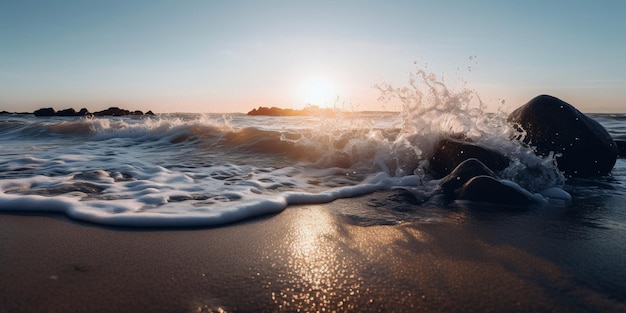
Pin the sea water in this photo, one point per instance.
(193, 170)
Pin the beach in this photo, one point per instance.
(312, 156)
(309, 258)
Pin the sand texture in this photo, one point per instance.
(304, 259)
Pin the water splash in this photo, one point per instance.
(431, 110)
(176, 170)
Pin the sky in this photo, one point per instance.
(233, 56)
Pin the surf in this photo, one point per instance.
(188, 170)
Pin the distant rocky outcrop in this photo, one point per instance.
(45, 112)
(20, 113)
(308, 111)
(67, 112)
(115, 111)
(112, 111)
(583, 148)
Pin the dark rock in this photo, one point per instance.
(474, 181)
(66, 112)
(491, 190)
(115, 111)
(274, 111)
(45, 112)
(112, 111)
(308, 111)
(552, 125)
(621, 147)
(449, 153)
(468, 169)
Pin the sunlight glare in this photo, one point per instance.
(320, 92)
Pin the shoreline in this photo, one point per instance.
(305, 258)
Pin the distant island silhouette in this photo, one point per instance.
(312, 110)
(112, 111)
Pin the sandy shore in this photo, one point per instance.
(303, 259)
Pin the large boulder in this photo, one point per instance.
(583, 147)
(621, 147)
(449, 153)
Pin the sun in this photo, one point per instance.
(318, 91)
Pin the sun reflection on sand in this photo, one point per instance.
(316, 262)
(309, 259)
(321, 276)
(311, 256)
(326, 265)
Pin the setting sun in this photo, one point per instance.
(320, 92)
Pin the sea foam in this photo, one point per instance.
(205, 169)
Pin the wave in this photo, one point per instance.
(206, 169)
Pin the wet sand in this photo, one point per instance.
(304, 259)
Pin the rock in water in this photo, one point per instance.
(474, 181)
(449, 153)
(83, 112)
(45, 112)
(112, 111)
(621, 147)
(67, 112)
(552, 125)
(489, 189)
(468, 169)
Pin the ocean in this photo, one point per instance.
(212, 170)
(194, 170)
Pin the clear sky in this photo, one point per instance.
(232, 56)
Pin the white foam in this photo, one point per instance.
(195, 170)
(36, 203)
(146, 204)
